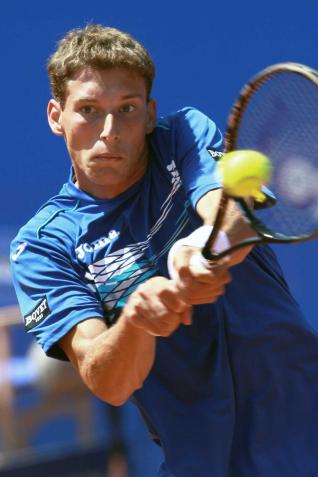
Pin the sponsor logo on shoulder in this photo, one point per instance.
(215, 153)
(19, 250)
(37, 315)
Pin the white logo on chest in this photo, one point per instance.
(96, 245)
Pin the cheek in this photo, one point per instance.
(137, 138)
(80, 138)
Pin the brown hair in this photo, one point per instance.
(98, 47)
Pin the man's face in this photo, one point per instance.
(105, 120)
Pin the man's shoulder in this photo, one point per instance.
(187, 114)
(178, 132)
(186, 125)
(48, 219)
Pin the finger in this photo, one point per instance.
(219, 278)
(173, 299)
(198, 265)
(208, 297)
(160, 293)
(202, 283)
(163, 326)
(211, 298)
(152, 323)
(154, 316)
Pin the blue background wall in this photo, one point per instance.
(204, 51)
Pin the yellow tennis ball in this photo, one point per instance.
(244, 172)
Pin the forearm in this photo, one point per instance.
(234, 223)
(114, 362)
(120, 360)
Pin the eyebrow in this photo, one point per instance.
(131, 96)
(91, 99)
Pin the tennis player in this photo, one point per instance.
(220, 362)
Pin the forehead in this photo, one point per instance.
(113, 82)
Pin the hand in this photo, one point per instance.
(157, 307)
(197, 284)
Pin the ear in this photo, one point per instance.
(152, 115)
(54, 111)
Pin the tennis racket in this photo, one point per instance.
(276, 114)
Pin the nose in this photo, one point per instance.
(110, 132)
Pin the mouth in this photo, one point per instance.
(108, 157)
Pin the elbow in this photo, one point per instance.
(115, 395)
(114, 388)
(118, 393)
(115, 399)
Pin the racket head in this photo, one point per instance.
(276, 113)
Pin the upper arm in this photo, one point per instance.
(198, 144)
(207, 208)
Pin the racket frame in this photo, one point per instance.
(264, 234)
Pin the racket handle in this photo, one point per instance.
(197, 262)
(198, 239)
(220, 244)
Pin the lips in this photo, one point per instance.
(109, 156)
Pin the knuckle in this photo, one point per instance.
(164, 294)
(142, 289)
(166, 332)
(169, 325)
(185, 273)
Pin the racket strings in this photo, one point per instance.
(281, 120)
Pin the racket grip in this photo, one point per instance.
(197, 261)
(197, 238)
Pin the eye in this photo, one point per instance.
(127, 108)
(87, 109)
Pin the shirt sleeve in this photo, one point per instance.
(198, 146)
(52, 292)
